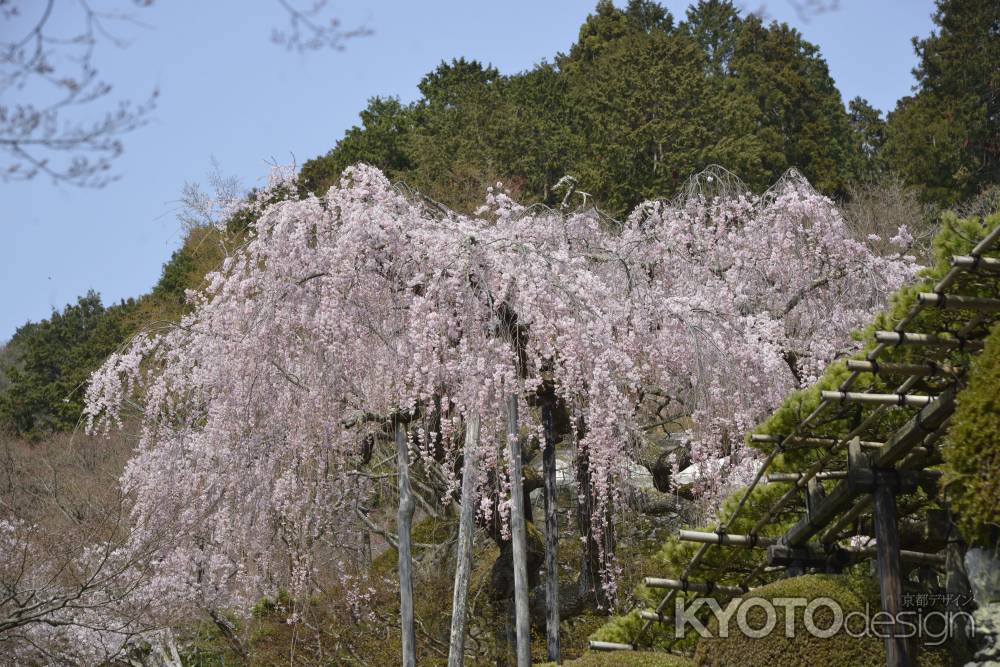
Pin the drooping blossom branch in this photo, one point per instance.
(366, 304)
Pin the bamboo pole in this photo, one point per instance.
(959, 302)
(818, 466)
(838, 474)
(904, 554)
(748, 541)
(909, 338)
(923, 370)
(404, 526)
(976, 253)
(466, 534)
(796, 476)
(518, 538)
(610, 646)
(885, 399)
(725, 539)
(982, 264)
(647, 615)
(893, 337)
(696, 586)
(803, 442)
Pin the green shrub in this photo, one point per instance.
(972, 449)
(804, 649)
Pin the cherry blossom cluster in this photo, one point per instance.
(367, 303)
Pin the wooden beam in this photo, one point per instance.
(796, 476)
(922, 476)
(914, 431)
(861, 479)
(466, 537)
(815, 494)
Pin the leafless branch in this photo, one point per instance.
(311, 27)
(56, 133)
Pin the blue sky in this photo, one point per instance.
(227, 92)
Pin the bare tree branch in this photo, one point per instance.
(56, 133)
(312, 27)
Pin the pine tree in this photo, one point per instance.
(945, 139)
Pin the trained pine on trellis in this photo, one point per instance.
(963, 306)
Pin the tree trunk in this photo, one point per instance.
(466, 533)
(403, 526)
(590, 575)
(551, 533)
(518, 539)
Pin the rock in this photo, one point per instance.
(662, 469)
(693, 473)
(983, 569)
(564, 468)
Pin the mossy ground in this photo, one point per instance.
(625, 659)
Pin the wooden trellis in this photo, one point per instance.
(868, 473)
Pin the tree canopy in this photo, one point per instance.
(51, 361)
(637, 104)
(945, 139)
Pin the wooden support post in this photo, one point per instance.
(858, 466)
(890, 578)
(522, 621)
(404, 524)
(551, 532)
(814, 495)
(466, 533)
